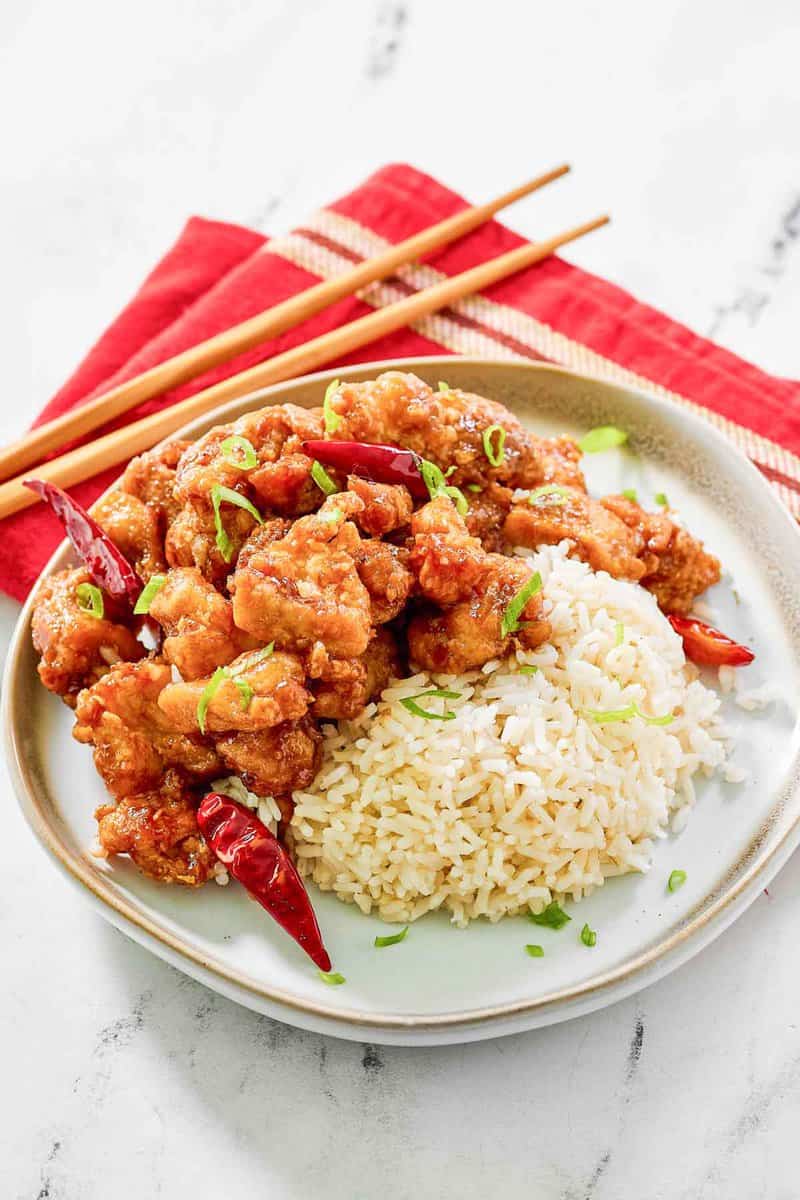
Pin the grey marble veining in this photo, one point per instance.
(124, 1078)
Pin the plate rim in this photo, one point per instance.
(696, 932)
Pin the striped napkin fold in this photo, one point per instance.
(217, 274)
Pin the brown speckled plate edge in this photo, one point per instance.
(651, 420)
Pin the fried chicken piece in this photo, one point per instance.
(275, 431)
(76, 648)
(134, 741)
(601, 538)
(135, 528)
(345, 686)
(275, 761)
(387, 506)
(469, 634)
(448, 428)
(286, 485)
(559, 459)
(488, 510)
(305, 587)
(198, 623)
(192, 539)
(260, 692)
(151, 478)
(383, 570)
(159, 831)
(445, 559)
(677, 567)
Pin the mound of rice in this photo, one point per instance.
(523, 796)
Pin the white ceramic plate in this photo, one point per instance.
(444, 984)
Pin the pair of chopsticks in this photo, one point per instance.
(121, 444)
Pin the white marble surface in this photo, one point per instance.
(121, 1077)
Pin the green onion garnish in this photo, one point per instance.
(436, 483)
(90, 599)
(245, 691)
(148, 594)
(331, 977)
(392, 939)
(225, 495)
(209, 691)
(553, 916)
(619, 634)
(443, 387)
(588, 936)
(676, 880)
(410, 704)
(474, 487)
(239, 452)
(528, 670)
(330, 417)
(602, 438)
(612, 715)
(559, 495)
(253, 659)
(630, 494)
(514, 609)
(322, 479)
(661, 498)
(495, 454)
(535, 951)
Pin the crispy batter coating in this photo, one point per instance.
(383, 570)
(387, 506)
(136, 528)
(344, 686)
(468, 634)
(305, 587)
(198, 623)
(134, 742)
(151, 477)
(159, 831)
(275, 761)
(446, 559)
(76, 648)
(258, 694)
(192, 539)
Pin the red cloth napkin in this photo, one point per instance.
(217, 274)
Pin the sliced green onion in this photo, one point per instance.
(225, 495)
(209, 691)
(630, 494)
(676, 880)
(661, 498)
(496, 455)
(90, 599)
(330, 417)
(245, 691)
(528, 670)
(535, 951)
(436, 483)
(474, 487)
(333, 514)
(553, 917)
(410, 704)
(246, 459)
(515, 607)
(560, 494)
(602, 438)
(610, 716)
(392, 939)
(148, 594)
(588, 936)
(332, 977)
(253, 660)
(619, 634)
(322, 479)
(444, 387)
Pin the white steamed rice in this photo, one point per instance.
(521, 797)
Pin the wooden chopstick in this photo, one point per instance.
(86, 461)
(39, 442)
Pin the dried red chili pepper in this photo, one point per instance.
(107, 565)
(383, 464)
(708, 647)
(257, 859)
